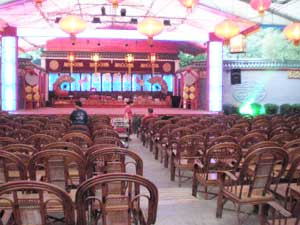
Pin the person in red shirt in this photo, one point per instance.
(128, 114)
(150, 114)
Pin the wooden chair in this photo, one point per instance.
(39, 140)
(283, 138)
(21, 134)
(173, 139)
(162, 141)
(251, 185)
(68, 146)
(7, 141)
(32, 127)
(63, 168)
(105, 133)
(189, 149)
(6, 129)
(23, 151)
(54, 133)
(95, 201)
(236, 132)
(292, 144)
(78, 138)
(32, 202)
(210, 134)
(251, 139)
(11, 167)
(273, 213)
(113, 160)
(79, 129)
(154, 133)
(220, 157)
(221, 139)
(110, 141)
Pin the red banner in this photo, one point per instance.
(103, 66)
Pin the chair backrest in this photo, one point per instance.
(236, 132)
(105, 133)
(21, 134)
(69, 146)
(78, 138)
(262, 144)
(292, 144)
(113, 160)
(11, 167)
(282, 138)
(190, 147)
(32, 202)
(224, 156)
(40, 140)
(60, 167)
(261, 168)
(250, 139)
(127, 202)
(7, 141)
(109, 140)
(24, 151)
(221, 139)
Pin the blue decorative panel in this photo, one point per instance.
(96, 82)
(126, 82)
(170, 81)
(75, 85)
(106, 82)
(136, 82)
(52, 78)
(156, 87)
(85, 82)
(117, 82)
(147, 84)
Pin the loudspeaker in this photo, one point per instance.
(235, 76)
(175, 101)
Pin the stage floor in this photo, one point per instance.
(111, 111)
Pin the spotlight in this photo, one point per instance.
(96, 20)
(123, 12)
(103, 12)
(167, 22)
(133, 21)
(57, 19)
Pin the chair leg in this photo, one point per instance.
(172, 170)
(179, 177)
(155, 152)
(238, 210)
(220, 204)
(151, 146)
(205, 193)
(166, 159)
(195, 185)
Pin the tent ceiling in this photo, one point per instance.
(36, 25)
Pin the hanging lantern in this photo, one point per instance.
(71, 58)
(96, 59)
(150, 27)
(226, 30)
(129, 59)
(72, 25)
(261, 5)
(38, 3)
(292, 32)
(189, 4)
(115, 3)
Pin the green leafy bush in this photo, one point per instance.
(296, 108)
(271, 108)
(286, 109)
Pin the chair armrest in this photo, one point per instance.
(230, 175)
(198, 165)
(279, 209)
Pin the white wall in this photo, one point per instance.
(262, 87)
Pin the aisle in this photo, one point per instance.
(176, 205)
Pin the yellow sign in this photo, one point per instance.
(294, 74)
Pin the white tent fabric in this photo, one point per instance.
(36, 25)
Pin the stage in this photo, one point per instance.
(110, 111)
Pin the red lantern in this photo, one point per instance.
(189, 4)
(150, 27)
(38, 2)
(115, 3)
(292, 32)
(226, 30)
(72, 25)
(260, 5)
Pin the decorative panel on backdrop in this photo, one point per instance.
(85, 82)
(106, 82)
(156, 87)
(137, 82)
(75, 86)
(117, 82)
(170, 81)
(52, 78)
(126, 82)
(147, 84)
(96, 82)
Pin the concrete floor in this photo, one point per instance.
(176, 204)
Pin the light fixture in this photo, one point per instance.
(129, 59)
(167, 22)
(292, 32)
(133, 21)
(72, 25)
(115, 3)
(153, 60)
(189, 4)
(103, 11)
(261, 5)
(38, 3)
(71, 59)
(57, 19)
(150, 27)
(226, 30)
(96, 58)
